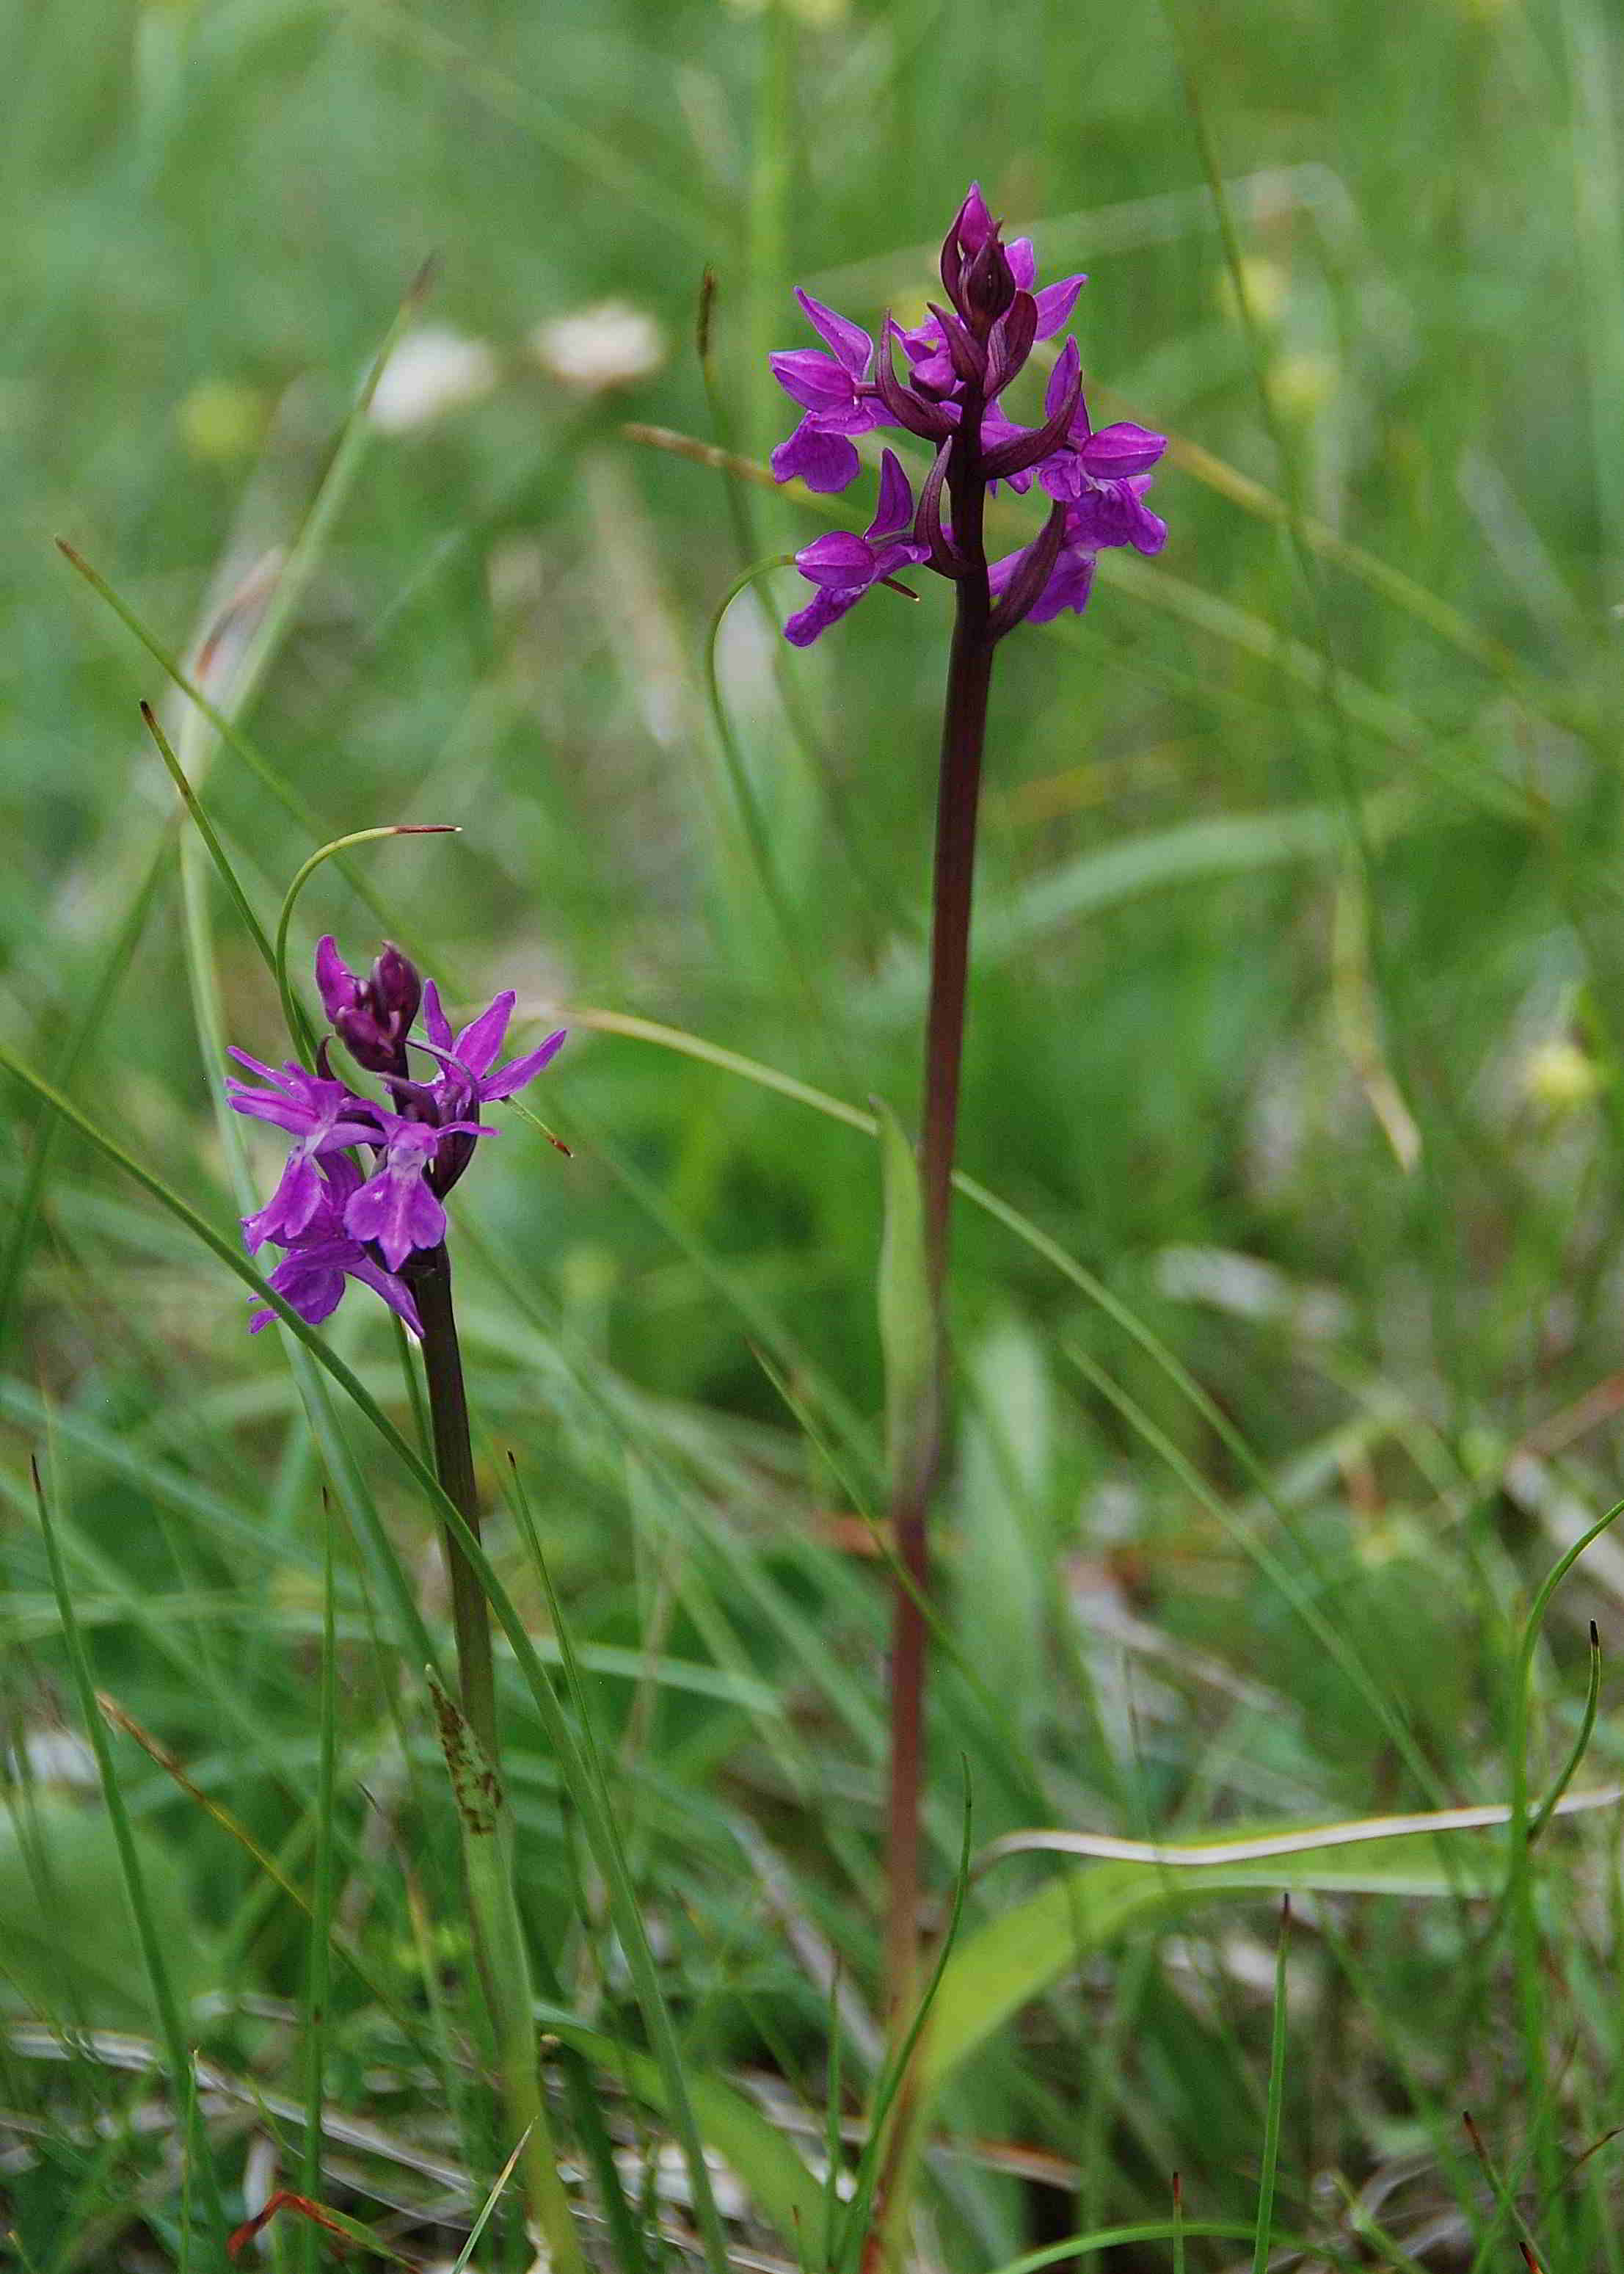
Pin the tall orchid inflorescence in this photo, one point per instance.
(951, 395)
(960, 362)
(336, 1220)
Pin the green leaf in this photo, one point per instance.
(1039, 1940)
(907, 1336)
(71, 1947)
(779, 2184)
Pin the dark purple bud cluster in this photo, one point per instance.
(959, 364)
(337, 1222)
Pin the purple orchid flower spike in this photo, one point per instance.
(958, 365)
(337, 1221)
(323, 1116)
(322, 1258)
(845, 567)
(953, 395)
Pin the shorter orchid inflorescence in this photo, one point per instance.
(960, 363)
(337, 1219)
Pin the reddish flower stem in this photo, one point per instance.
(429, 1276)
(964, 729)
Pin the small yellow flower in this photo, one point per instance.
(1559, 1078)
(1301, 385)
(1266, 284)
(222, 421)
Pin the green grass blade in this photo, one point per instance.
(318, 1971)
(1552, 1800)
(200, 2154)
(1265, 2241)
(597, 1802)
(487, 1854)
(120, 948)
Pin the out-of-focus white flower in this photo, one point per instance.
(604, 346)
(433, 370)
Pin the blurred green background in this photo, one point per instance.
(1296, 1023)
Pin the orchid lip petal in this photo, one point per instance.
(826, 463)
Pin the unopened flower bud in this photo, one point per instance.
(987, 287)
(371, 1016)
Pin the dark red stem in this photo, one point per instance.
(428, 1274)
(964, 729)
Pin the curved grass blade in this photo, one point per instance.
(291, 1011)
(1553, 1801)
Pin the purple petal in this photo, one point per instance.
(1068, 588)
(478, 1042)
(342, 1178)
(814, 380)
(1123, 448)
(313, 1289)
(849, 342)
(434, 1019)
(1062, 476)
(824, 608)
(891, 558)
(1023, 262)
(517, 1071)
(837, 559)
(298, 1195)
(265, 1105)
(935, 373)
(264, 1072)
(1056, 303)
(1061, 380)
(398, 1211)
(394, 1291)
(997, 427)
(823, 462)
(895, 509)
(1150, 531)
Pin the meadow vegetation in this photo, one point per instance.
(1285, 1297)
